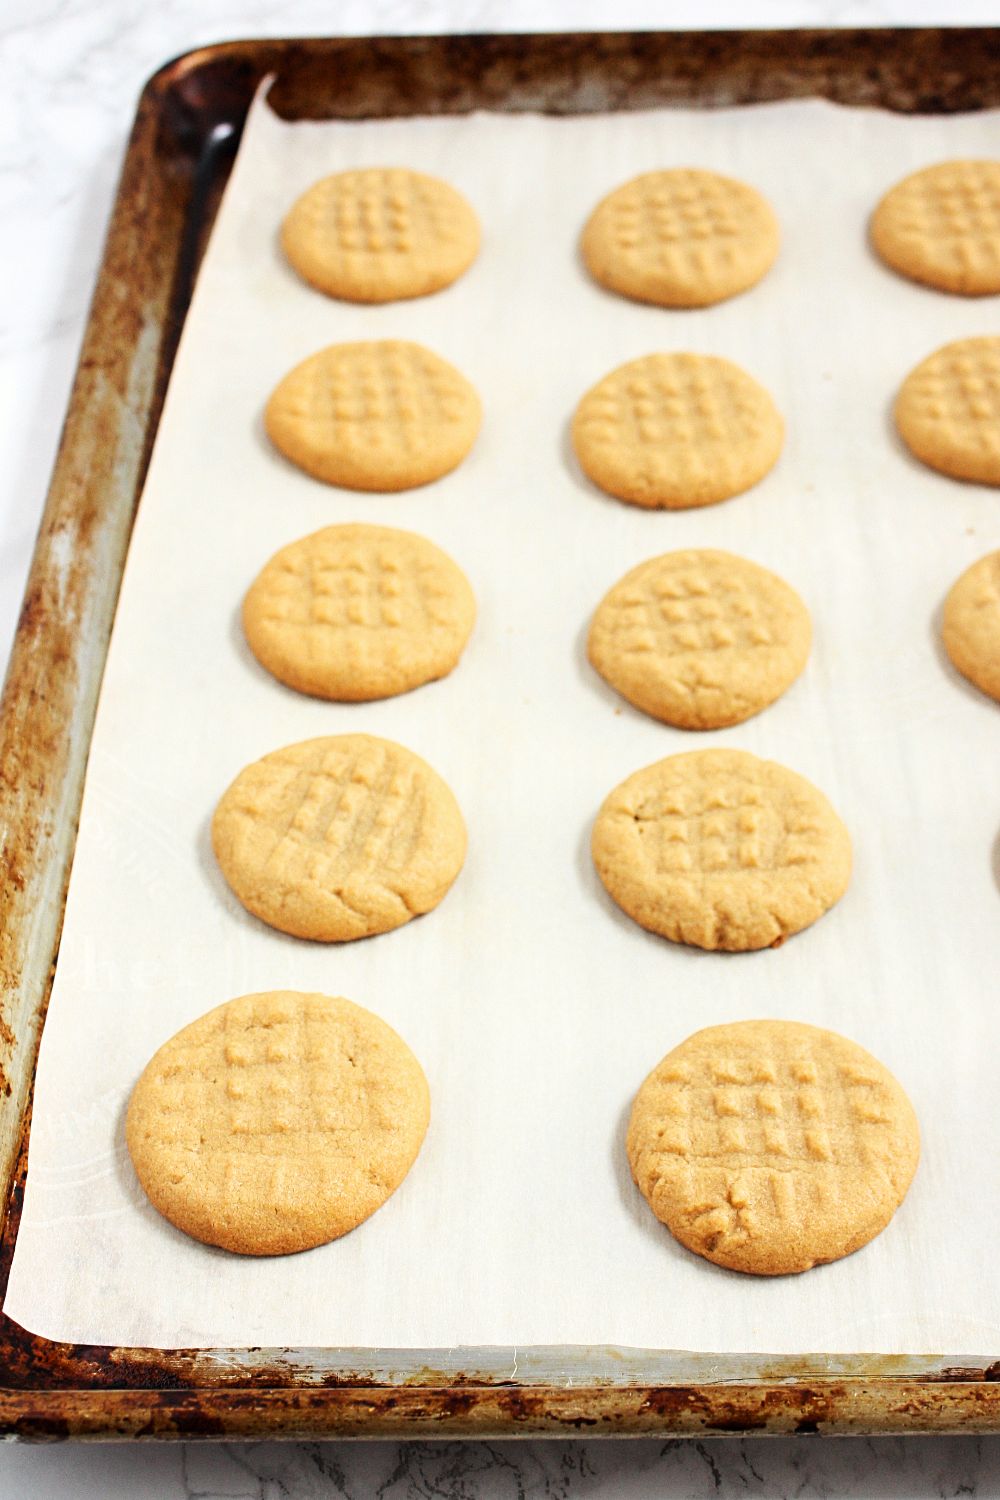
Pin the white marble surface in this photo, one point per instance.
(769, 1468)
(70, 73)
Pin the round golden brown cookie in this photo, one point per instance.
(672, 431)
(948, 410)
(970, 627)
(700, 639)
(379, 416)
(379, 234)
(721, 850)
(359, 612)
(681, 238)
(277, 1122)
(941, 226)
(339, 838)
(771, 1146)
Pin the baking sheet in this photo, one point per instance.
(535, 1006)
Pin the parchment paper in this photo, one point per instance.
(535, 1006)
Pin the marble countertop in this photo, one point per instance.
(70, 74)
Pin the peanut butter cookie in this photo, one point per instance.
(700, 639)
(379, 234)
(277, 1122)
(681, 238)
(771, 1146)
(339, 838)
(941, 226)
(378, 416)
(970, 628)
(359, 612)
(721, 850)
(672, 431)
(948, 410)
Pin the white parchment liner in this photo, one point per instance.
(535, 1006)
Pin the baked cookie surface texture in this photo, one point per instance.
(771, 1146)
(719, 849)
(384, 416)
(358, 612)
(948, 410)
(700, 639)
(672, 431)
(379, 234)
(681, 238)
(941, 226)
(277, 1122)
(970, 626)
(339, 838)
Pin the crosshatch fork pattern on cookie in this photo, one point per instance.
(678, 609)
(721, 850)
(277, 1074)
(382, 211)
(700, 639)
(380, 234)
(693, 219)
(677, 430)
(724, 822)
(339, 838)
(277, 1121)
(680, 237)
(961, 385)
(685, 400)
(358, 612)
(769, 1146)
(382, 415)
(769, 1112)
(332, 815)
(357, 588)
(381, 396)
(948, 410)
(943, 224)
(955, 201)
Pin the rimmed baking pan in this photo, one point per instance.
(182, 145)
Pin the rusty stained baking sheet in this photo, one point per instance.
(534, 1006)
(711, 67)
